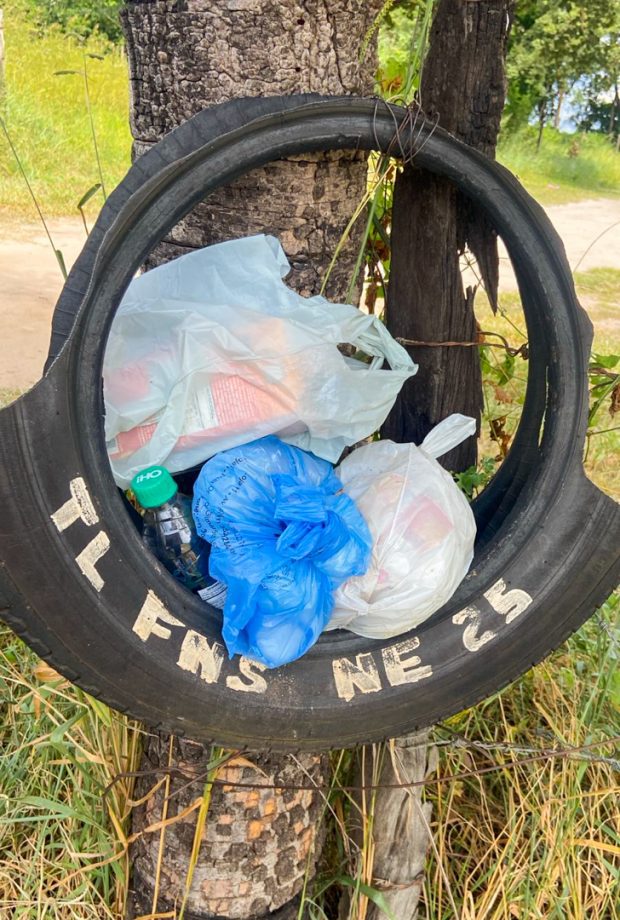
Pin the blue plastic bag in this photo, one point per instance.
(283, 537)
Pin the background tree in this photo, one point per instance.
(554, 44)
(599, 101)
(80, 17)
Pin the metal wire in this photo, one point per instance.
(572, 753)
(522, 350)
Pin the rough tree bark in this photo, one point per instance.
(463, 87)
(185, 55)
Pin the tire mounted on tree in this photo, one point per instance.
(546, 553)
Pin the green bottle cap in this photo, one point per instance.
(153, 486)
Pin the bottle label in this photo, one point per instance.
(214, 594)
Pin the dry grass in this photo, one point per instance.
(538, 839)
(62, 851)
(538, 836)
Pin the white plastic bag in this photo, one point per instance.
(213, 350)
(423, 532)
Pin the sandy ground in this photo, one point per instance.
(30, 279)
(30, 282)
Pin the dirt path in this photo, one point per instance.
(30, 282)
(30, 279)
(590, 231)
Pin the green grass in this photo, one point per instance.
(504, 381)
(63, 854)
(8, 396)
(602, 283)
(568, 167)
(48, 120)
(599, 292)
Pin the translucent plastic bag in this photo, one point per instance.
(213, 350)
(422, 527)
(283, 536)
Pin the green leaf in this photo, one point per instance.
(598, 381)
(485, 364)
(381, 231)
(614, 690)
(601, 397)
(61, 261)
(373, 894)
(56, 809)
(608, 361)
(88, 195)
(101, 711)
(61, 730)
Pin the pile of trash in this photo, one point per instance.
(215, 366)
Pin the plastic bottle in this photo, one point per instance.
(169, 533)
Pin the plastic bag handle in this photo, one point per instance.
(375, 340)
(448, 434)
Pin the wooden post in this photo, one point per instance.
(463, 88)
(402, 826)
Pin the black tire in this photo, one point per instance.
(77, 584)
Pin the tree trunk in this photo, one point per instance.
(615, 110)
(463, 87)
(184, 55)
(257, 843)
(542, 118)
(557, 115)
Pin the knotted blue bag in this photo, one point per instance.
(283, 537)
